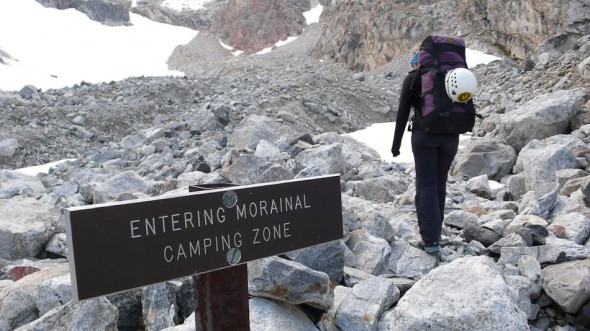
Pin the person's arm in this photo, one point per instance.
(403, 113)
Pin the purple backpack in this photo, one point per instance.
(438, 113)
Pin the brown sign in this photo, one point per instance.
(119, 246)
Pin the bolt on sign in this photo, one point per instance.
(118, 246)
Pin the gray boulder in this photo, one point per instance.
(375, 221)
(18, 302)
(328, 159)
(125, 183)
(327, 257)
(94, 314)
(159, 307)
(271, 315)
(568, 284)
(25, 226)
(488, 156)
(540, 202)
(8, 147)
(465, 294)
(544, 116)
(372, 253)
(381, 189)
(53, 292)
(406, 260)
(246, 170)
(540, 159)
(281, 279)
(576, 226)
(480, 186)
(251, 130)
(19, 184)
(362, 307)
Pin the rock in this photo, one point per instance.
(18, 302)
(109, 12)
(488, 156)
(542, 202)
(381, 189)
(545, 116)
(539, 160)
(126, 182)
(57, 245)
(158, 307)
(327, 257)
(96, 314)
(568, 284)
(486, 301)
(371, 252)
(251, 130)
(408, 261)
(236, 20)
(362, 307)
(8, 147)
(280, 279)
(485, 236)
(576, 227)
(246, 170)
(328, 159)
(480, 186)
(129, 306)
(25, 226)
(187, 325)
(285, 316)
(52, 293)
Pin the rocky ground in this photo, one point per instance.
(320, 97)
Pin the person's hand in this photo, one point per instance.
(394, 153)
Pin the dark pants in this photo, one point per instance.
(433, 155)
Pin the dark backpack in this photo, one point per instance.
(438, 113)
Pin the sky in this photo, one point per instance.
(59, 48)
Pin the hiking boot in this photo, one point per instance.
(432, 249)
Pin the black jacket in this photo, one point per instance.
(409, 98)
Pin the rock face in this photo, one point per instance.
(252, 25)
(194, 19)
(363, 35)
(109, 12)
(529, 24)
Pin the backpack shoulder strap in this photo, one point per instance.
(417, 72)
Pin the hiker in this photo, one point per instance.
(433, 155)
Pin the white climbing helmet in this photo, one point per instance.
(460, 84)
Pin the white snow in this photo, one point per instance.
(57, 48)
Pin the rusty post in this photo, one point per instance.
(221, 296)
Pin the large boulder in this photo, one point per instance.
(540, 159)
(25, 227)
(466, 294)
(271, 315)
(277, 278)
(487, 156)
(251, 130)
(568, 284)
(544, 116)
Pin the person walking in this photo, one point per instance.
(433, 156)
